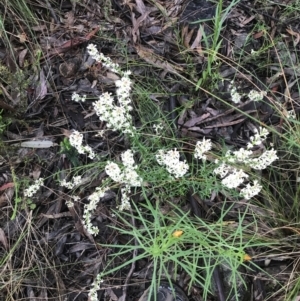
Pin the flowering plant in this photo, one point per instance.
(117, 117)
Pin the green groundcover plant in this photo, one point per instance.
(162, 165)
(185, 244)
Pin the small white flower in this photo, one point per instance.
(70, 202)
(90, 207)
(77, 180)
(125, 200)
(106, 61)
(66, 184)
(113, 171)
(76, 97)
(76, 139)
(242, 155)
(259, 136)
(158, 128)
(234, 179)
(117, 117)
(266, 159)
(95, 197)
(229, 157)
(127, 158)
(131, 178)
(291, 114)
(160, 157)
(92, 49)
(170, 160)
(201, 148)
(95, 287)
(235, 97)
(31, 190)
(87, 149)
(127, 73)
(263, 133)
(250, 191)
(124, 84)
(181, 169)
(256, 96)
(222, 170)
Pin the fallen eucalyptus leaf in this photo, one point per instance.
(38, 144)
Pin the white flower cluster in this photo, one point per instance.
(96, 286)
(90, 207)
(250, 191)
(262, 162)
(70, 185)
(100, 57)
(240, 156)
(118, 118)
(259, 136)
(171, 160)
(232, 177)
(158, 128)
(76, 140)
(125, 200)
(70, 202)
(128, 176)
(201, 148)
(235, 96)
(253, 94)
(31, 190)
(256, 96)
(77, 98)
(291, 114)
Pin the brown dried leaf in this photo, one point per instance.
(196, 120)
(136, 24)
(157, 61)
(3, 239)
(43, 295)
(81, 246)
(69, 21)
(39, 27)
(134, 32)
(60, 245)
(22, 37)
(295, 34)
(197, 41)
(111, 294)
(225, 124)
(6, 196)
(8, 95)
(187, 36)
(7, 185)
(140, 7)
(22, 55)
(41, 89)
